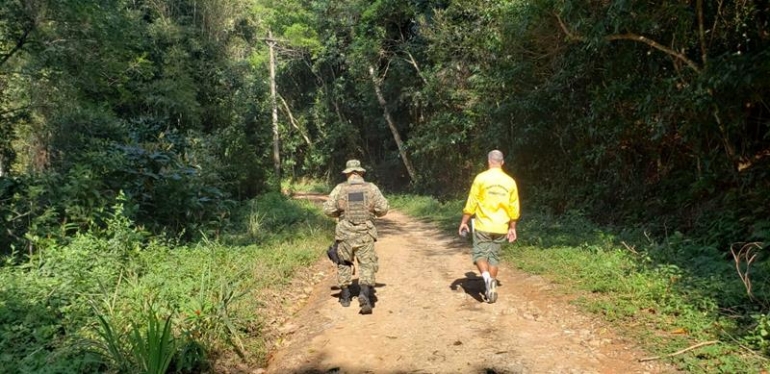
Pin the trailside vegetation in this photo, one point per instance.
(129, 128)
(123, 302)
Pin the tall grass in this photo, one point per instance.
(209, 294)
(147, 347)
(305, 186)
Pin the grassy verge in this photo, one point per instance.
(291, 187)
(667, 293)
(126, 302)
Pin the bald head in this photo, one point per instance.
(495, 158)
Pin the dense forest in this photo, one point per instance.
(161, 117)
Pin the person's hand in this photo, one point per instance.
(463, 230)
(342, 205)
(511, 235)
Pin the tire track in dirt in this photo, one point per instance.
(428, 318)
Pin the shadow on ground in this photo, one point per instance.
(336, 370)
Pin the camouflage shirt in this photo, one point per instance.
(377, 206)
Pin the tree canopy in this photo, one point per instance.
(632, 111)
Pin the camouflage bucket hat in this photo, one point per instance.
(353, 165)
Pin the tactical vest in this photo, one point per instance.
(357, 196)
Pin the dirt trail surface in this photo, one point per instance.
(429, 317)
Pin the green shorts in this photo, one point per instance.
(486, 246)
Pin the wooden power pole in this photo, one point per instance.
(274, 103)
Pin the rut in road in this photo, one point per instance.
(429, 317)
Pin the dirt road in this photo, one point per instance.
(429, 318)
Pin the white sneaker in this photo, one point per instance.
(492, 290)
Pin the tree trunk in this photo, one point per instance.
(389, 120)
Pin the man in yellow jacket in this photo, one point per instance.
(494, 200)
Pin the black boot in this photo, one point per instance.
(345, 297)
(364, 300)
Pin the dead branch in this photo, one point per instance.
(745, 348)
(412, 61)
(567, 32)
(633, 37)
(690, 348)
(649, 239)
(630, 248)
(293, 121)
(701, 32)
(19, 45)
(391, 124)
(745, 254)
(657, 46)
(716, 21)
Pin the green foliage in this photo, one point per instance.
(760, 336)
(44, 305)
(157, 186)
(311, 186)
(110, 347)
(150, 99)
(684, 289)
(273, 218)
(207, 296)
(151, 346)
(147, 344)
(154, 348)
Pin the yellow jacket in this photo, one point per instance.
(494, 199)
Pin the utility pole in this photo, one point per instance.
(274, 102)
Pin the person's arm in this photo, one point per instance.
(513, 213)
(330, 207)
(380, 205)
(470, 207)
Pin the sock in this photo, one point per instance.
(486, 276)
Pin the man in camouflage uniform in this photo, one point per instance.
(355, 203)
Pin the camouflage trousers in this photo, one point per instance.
(362, 250)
